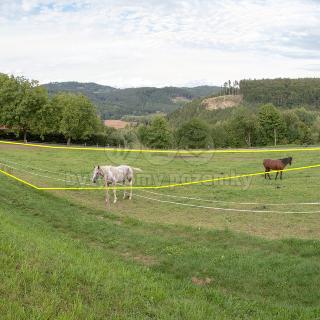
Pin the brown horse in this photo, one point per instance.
(279, 164)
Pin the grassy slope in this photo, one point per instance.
(64, 260)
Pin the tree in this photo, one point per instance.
(293, 126)
(21, 102)
(306, 135)
(236, 87)
(244, 126)
(271, 123)
(316, 130)
(130, 136)
(115, 138)
(225, 88)
(78, 116)
(307, 117)
(49, 118)
(219, 134)
(156, 135)
(194, 134)
(8, 89)
(142, 133)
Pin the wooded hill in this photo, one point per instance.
(283, 93)
(197, 109)
(286, 93)
(114, 103)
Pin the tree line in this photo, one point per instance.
(27, 110)
(246, 127)
(282, 92)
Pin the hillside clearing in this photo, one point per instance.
(222, 102)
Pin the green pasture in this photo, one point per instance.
(251, 253)
(273, 209)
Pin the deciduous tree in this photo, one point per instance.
(244, 126)
(21, 101)
(271, 123)
(193, 134)
(78, 116)
(156, 135)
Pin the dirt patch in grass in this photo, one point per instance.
(145, 260)
(201, 281)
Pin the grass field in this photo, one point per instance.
(252, 253)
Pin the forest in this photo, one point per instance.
(28, 111)
(284, 93)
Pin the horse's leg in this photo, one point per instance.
(107, 195)
(281, 175)
(267, 173)
(277, 175)
(124, 190)
(130, 182)
(114, 192)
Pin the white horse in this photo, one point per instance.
(113, 175)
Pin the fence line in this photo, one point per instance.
(231, 202)
(104, 149)
(159, 186)
(223, 209)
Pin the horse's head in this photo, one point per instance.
(290, 160)
(97, 171)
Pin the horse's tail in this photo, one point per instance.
(136, 169)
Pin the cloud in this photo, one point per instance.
(147, 42)
(312, 67)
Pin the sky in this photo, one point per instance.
(133, 43)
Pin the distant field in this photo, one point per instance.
(253, 252)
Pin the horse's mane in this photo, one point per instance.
(285, 160)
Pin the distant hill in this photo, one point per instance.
(209, 109)
(115, 103)
(282, 92)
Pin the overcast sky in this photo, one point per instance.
(133, 43)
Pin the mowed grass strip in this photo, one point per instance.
(60, 259)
